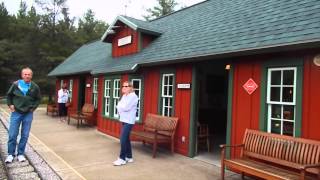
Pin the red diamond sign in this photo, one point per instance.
(250, 86)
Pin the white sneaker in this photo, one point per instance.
(9, 159)
(21, 158)
(119, 162)
(129, 160)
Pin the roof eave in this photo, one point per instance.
(308, 44)
(148, 31)
(68, 74)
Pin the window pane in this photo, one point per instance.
(275, 77)
(288, 112)
(136, 84)
(288, 128)
(166, 80)
(171, 80)
(275, 94)
(170, 112)
(275, 126)
(170, 91)
(165, 91)
(276, 111)
(288, 77)
(287, 94)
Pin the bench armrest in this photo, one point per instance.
(310, 166)
(223, 150)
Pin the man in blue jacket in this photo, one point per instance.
(23, 97)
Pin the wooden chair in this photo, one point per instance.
(53, 109)
(86, 114)
(203, 137)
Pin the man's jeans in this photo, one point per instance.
(15, 120)
(126, 151)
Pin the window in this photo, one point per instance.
(167, 92)
(95, 93)
(137, 89)
(70, 89)
(116, 96)
(107, 92)
(281, 100)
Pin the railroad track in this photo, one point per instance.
(35, 168)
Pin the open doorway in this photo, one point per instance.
(82, 92)
(212, 111)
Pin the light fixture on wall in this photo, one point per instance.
(316, 60)
(88, 85)
(228, 66)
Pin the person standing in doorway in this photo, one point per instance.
(23, 98)
(63, 98)
(127, 109)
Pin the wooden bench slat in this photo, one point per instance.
(317, 159)
(266, 171)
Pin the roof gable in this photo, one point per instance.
(135, 24)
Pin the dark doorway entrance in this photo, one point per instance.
(212, 110)
(82, 92)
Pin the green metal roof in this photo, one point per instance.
(84, 60)
(220, 28)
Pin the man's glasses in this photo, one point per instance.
(125, 86)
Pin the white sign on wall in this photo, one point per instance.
(125, 40)
(184, 86)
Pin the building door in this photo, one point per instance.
(82, 92)
(211, 120)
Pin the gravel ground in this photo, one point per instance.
(33, 169)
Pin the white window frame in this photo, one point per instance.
(167, 99)
(281, 86)
(70, 89)
(139, 97)
(116, 96)
(95, 92)
(107, 98)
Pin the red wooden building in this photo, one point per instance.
(231, 65)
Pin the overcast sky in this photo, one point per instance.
(104, 10)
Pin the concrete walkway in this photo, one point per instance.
(85, 153)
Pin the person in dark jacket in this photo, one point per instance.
(23, 97)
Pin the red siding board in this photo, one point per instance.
(89, 80)
(131, 48)
(146, 40)
(311, 100)
(245, 108)
(182, 108)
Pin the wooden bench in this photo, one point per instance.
(157, 130)
(53, 109)
(274, 156)
(86, 113)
